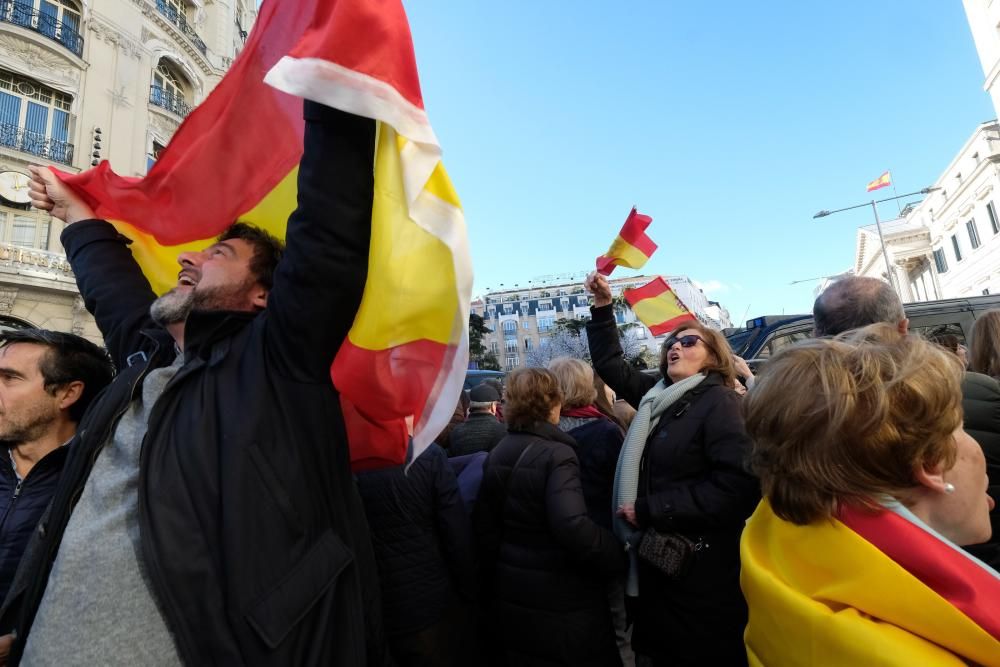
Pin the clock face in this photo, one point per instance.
(14, 187)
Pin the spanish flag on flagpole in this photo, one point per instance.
(631, 248)
(408, 349)
(656, 306)
(882, 181)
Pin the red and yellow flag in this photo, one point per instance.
(631, 248)
(407, 351)
(864, 589)
(882, 181)
(656, 306)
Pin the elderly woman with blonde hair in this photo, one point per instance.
(870, 487)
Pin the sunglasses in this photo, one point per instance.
(686, 341)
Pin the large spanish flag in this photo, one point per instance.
(866, 588)
(882, 181)
(656, 306)
(236, 157)
(632, 248)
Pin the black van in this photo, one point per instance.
(763, 336)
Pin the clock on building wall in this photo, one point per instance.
(14, 187)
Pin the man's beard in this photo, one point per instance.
(174, 306)
(32, 425)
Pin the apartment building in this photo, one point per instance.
(86, 81)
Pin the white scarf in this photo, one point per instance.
(652, 406)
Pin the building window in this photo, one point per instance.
(154, 155)
(508, 309)
(512, 362)
(510, 327)
(994, 223)
(527, 325)
(25, 228)
(510, 344)
(973, 233)
(59, 20)
(170, 90)
(495, 347)
(955, 246)
(546, 323)
(527, 345)
(940, 262)
(34, 118)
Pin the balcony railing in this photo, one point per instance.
(24, 15)
(30, 261)
(36, 143)
(168, 100)
(179, 20)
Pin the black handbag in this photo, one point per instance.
(670, 553)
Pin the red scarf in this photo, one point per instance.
(587, 412)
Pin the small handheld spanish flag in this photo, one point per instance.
(882, 181)
(631, 248)
(656, 306)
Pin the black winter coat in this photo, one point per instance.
(545, 564)
(422, 540)
(599, 442)
(981, 404)
(693, 481)
(21, 506)
(253, 534)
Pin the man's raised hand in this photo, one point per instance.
(597, 285)
(48, 193)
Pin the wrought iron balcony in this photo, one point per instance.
(178, 19)
(166, 99)
(35, 143)
(24, 15)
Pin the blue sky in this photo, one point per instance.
(731, 123)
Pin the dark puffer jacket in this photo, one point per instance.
(693, 481)
(21, 506)
(422, 540)
(599, 443)
(981, 404)
(545, 563)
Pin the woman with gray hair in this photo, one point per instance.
(599, 442)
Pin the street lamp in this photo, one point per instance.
(878, 226)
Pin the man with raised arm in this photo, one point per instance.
(207, 514)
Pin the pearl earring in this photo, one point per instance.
(949, 487)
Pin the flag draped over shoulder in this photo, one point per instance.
(656, 306)
(632, 248)
(864, 589)
(236, 157)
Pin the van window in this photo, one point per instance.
(783, 339)
(934, 332)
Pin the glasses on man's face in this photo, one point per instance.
(686, 341)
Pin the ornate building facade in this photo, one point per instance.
(523, 319)
(85, 81)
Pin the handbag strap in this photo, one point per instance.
(510, 476)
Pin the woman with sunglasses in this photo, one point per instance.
(682, 487)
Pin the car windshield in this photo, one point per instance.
(738, 341)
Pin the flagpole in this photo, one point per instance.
(898, 205)
(885, 253)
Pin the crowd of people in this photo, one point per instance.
(186, 496)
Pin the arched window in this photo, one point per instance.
(170, 90)
(34, 118)
(56, 19)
